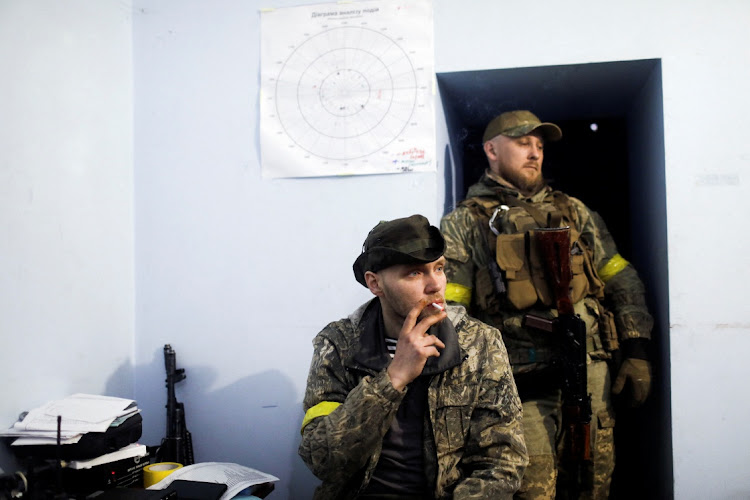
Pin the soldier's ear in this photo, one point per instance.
(373, 281)
(489, 150)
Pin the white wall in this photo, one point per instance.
(202, 85)
(239, 273)
(236, 272)
(66, 210)
(701, 45)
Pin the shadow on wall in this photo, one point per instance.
(254, 422)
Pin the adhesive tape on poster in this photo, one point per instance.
(154, 473)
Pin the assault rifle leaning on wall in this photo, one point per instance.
(177, 445)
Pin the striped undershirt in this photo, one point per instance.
(391, 345)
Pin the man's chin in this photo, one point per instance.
(532, 185)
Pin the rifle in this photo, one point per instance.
(553, 245)
(177, 446)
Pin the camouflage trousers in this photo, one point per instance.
(542, 420)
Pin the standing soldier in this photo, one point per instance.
(495, 269)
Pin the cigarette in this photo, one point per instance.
(437, 306)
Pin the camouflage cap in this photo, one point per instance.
(518, 123)
(399, 241)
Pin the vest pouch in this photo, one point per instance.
(579, 283)
(579, 280)
(510, 253)
(608, 330)
(595, 283)
(539, 275)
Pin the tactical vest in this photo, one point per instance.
(509, 223)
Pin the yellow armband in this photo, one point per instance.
(319, 410)
(458, 293)
(612, 267)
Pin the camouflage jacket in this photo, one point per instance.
(470, 282)
(476, 448)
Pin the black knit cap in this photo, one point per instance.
(401, 241)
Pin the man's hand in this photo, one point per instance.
(414, 346)
(638, 372)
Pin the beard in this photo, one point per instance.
(527, 185)
(401, 304)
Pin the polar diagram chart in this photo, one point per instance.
(346, 93)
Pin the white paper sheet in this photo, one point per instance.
(236, 477)
(347, 89)
(80, 413)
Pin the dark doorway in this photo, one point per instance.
(611, 157)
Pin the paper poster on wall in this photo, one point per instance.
(347, 89)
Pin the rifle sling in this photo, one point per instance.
(551, 219)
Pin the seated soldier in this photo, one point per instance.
(408, 398)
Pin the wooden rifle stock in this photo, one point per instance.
(553, 245)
